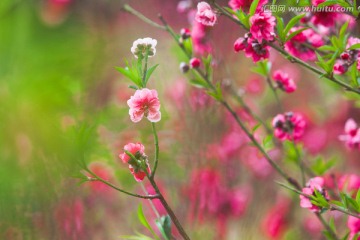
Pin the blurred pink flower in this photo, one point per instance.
(245, 4)
(183, 6)
(262, 26)
(289, 126)
(296, 46)
(354, 226)
(275, 221)
(144, 102)
(205, 15)
(284, 82)
(352, 134)
(240, 44)
(211, 199)
(255, 161)
(199, 39)
(352, 41)
(104, 172)
(136, 149)
(313, 184)
(349, 183)
(69, 217)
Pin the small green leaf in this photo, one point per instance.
(255, 127)
(149, 72)
(280, 28)
(327, 48)
(293, 34)
(143, 220)
(199, 83)
(355, 46)
(253, 7)
(332, 224)
(328, 3)
(164, 225)
(292, 23)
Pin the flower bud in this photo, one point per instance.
(184, 68)
(240, 44)
(195, 63)
(185, 33)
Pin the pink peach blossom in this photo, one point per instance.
(313, 184)
(262, 26)
(297, 45)
(352, 134)
(144, 102)
(354, 226)
(290, 126)
(284, 82)
(245, 4)
(205, 15)
(136, 149)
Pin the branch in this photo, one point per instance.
(290, 57)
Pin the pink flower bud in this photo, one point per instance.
(195, 63)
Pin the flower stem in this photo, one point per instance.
(301, 164)
(156, 140)
(171, 213)
(97, 178)
(292, 58)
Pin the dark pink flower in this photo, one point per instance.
(205, 15)
(313, 184)
(245, 4)
(289, 126)
(284, 82)
(262, 26)
(354, 226)
(144, 102)
(240, 44)
(297, 45)
(256, 51)
(352, 134)
(138, 167)
(185, 33)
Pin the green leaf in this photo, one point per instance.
(293, 34)
(187, 43)
(355, 46)
(280, 28)
(342, 35)
(149, 72)
(143, 220)
(164, 225)
(292, 23)
(328, 3)
(327, 48)
(321, 166)
(199, 83)
(255, 127)
(253, 7)
(332, 224)
(137, 237)
(133, 87)
(358, 197)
